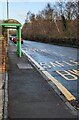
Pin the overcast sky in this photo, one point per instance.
(31, 0)
(36, 0)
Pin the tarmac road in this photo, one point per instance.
(61, 62)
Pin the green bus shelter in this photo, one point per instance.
(14, 24)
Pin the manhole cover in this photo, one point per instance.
(24, 66)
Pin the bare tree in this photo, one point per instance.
(71, 10)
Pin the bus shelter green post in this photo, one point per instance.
(19, 42)
(18, 27)
(17, 35)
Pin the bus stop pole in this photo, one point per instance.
(17, 34)
(19, 42)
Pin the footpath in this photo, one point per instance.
(29, 94)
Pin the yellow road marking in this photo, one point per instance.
(45, 65)
(66, 75)
(76, 72)
(54, 64)
(77, 63)
(59, 63)
(66, 93)
(68, 63)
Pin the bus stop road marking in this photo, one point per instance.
(66, 93)
(67, 75)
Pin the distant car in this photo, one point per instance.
(15, 40)
(10, 37)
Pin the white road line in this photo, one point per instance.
(66, 93)
(41, 68)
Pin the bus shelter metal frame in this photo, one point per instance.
(18, 28)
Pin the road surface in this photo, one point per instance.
(61, 62)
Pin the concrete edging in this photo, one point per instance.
(5, 113)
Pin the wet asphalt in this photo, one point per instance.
(30, 95)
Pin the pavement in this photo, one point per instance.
(29, 94)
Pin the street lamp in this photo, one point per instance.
(7, 18)
(7, 9)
